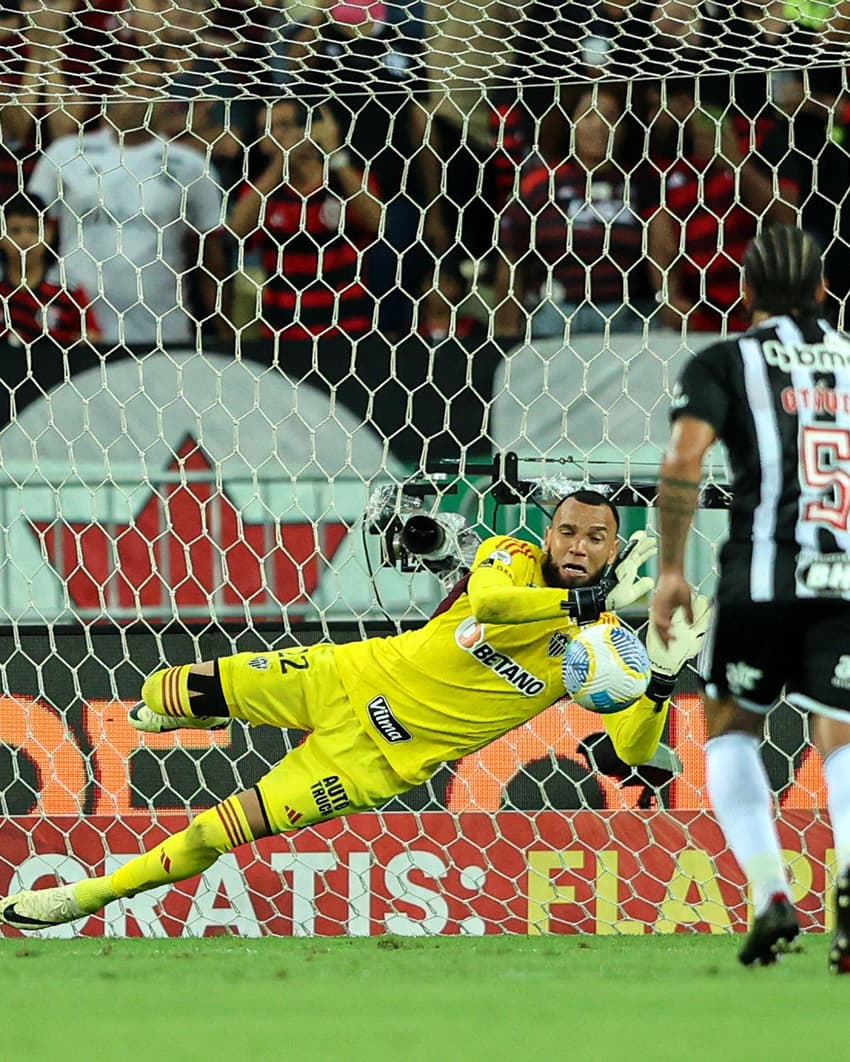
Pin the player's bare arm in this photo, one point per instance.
(677, 500)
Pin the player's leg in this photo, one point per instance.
(187, 696)
(336, 771)
(742, 680)
(743, 804)
(275, 688)
(236, 821)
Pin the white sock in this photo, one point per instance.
(836, 770)
(743, 804)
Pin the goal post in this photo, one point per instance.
(260, 264)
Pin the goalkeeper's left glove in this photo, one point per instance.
(623, 587)
(685, 641)
(619, 585)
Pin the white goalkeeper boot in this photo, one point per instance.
(150, 722)
(40, 908)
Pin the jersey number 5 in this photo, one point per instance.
(825, 453)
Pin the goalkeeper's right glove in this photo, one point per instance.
(685, 641)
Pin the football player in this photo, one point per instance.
(385, 713)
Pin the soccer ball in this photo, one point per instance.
(605, 668)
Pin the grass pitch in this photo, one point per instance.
(446, 999)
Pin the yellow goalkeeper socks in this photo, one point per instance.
(166, 692)
(209, 835)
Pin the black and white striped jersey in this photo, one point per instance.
(778, 397)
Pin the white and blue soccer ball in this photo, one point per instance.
(606, 668)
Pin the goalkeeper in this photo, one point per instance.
(385, 713)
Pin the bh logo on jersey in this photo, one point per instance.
(469, 633)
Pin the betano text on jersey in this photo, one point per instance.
(447, 689)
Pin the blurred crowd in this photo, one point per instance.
(180, 168)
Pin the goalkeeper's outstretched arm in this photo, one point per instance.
(500, 592)
(636, 732)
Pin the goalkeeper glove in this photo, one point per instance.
(618, 587)
(685, 641)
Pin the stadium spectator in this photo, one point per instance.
(440, 312)
(815, 156)
(777, 50)
(210, 55)
(712, 198)
(383, 714)
(589, 40)
(78, 48)
(33, 88)
(604, 39)
(311, 213)
(137, 216)
(17, 102)
(571, 245)
(374, 72)
(33, 307)
(87, 42)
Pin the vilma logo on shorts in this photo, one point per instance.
(330, 795)
(385, 722)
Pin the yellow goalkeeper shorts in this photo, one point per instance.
(338, 769)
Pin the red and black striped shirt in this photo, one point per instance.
(29, 314)
(17, 160)
(717, 230)
(586, 229)
(312, 258)
(509, 143)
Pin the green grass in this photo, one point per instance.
(627, 999)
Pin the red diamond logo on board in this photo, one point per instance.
(188, 543)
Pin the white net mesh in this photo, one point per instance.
(259, 260)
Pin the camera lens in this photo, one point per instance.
(422, 535)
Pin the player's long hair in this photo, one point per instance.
(784, 267)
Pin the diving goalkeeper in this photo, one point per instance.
(385, 713)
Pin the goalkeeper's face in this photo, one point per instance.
(580, 543)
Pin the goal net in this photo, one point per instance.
(277, 277)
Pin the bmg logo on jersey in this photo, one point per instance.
(502, 556)
(330, 795)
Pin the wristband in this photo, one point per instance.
(660, 688)
(584, 604)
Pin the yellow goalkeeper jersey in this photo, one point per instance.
(487, 663)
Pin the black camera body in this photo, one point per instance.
(415, 539)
